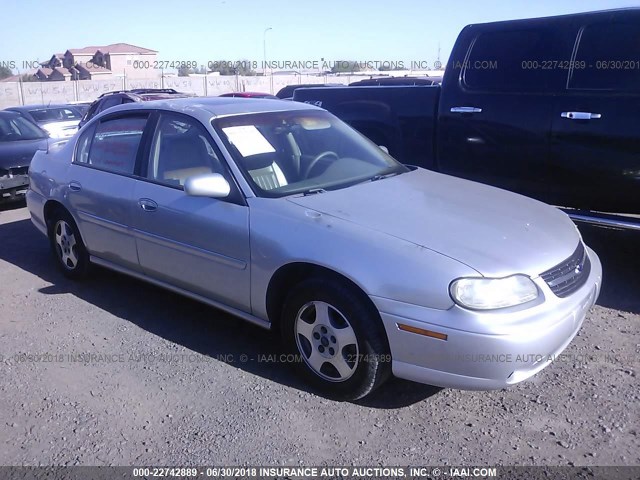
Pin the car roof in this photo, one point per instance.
(28, 108)
(160, 96)
(9, 113)
(248, 94)
(393, 81)
(287, 90)
(143, 92)
(204, 108)
(607, 14)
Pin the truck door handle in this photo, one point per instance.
(147, 205)
(75, 186)
(466, 110)
(580, 115)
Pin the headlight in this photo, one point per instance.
(491, 293)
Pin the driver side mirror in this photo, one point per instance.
(207, 185)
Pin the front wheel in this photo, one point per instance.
(338, 338)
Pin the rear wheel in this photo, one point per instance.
(338, 338)
(67, 247)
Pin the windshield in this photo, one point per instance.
(282, 153)
(15, 127)
(55, 114)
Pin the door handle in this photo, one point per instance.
(75, 186)
(147, 205)
(580, 115)
(466, 110)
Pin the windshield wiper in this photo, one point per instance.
(380, 177)
(313, 191)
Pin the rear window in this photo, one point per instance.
(61, 114)
(515, 61)
(111, 102)
(608, 58)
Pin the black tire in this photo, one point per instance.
(67, 247)
(367, 356)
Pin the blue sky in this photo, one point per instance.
(204, 30)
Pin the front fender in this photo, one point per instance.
(381, 265)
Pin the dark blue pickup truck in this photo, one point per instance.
(546, 107)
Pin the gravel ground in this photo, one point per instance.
(136, 375)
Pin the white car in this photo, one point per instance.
(59, 121)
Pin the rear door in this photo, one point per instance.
(496, 104)
(199, 244)
(100, 189)
(595, 148)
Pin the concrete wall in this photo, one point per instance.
(29, 93)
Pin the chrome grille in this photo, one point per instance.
(568, 276)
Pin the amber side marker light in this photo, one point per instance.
(422, 331)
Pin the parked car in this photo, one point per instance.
(20, 138)
(388, 81)
(111, 99)
(282, 214)
(249, 95)
(60, 121)
(81, 105)
(544, 107)
(286, 93)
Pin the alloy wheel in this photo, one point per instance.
(66, 245)
(327, 341)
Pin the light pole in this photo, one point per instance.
(264, 50)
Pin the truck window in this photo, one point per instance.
(608, 58)
(515, 61)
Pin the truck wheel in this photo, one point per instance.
(338, 339)
(70, 253)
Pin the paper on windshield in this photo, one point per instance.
(248, 140)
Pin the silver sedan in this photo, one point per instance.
(280, 213)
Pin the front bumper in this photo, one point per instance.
(485, 350)
(12, 186)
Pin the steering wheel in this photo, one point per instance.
(316, 159)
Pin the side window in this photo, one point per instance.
(608, 58)
(181, 149)
(93, 110)
(84, 144)
(525, 61)
(115, 144)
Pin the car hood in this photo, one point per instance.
(493, 231)
(20, 152)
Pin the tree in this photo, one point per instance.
(390, 67)
(345, 66)
(29, 77)
(5, 72)
(185, 72)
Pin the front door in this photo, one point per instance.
(595, 143)
(196, 243)
(495, 109)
